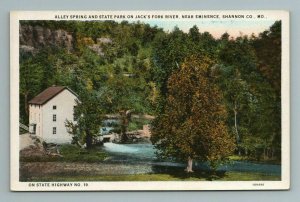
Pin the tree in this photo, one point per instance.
(89, 111)
(268, 50)
(170, 51)
(192, 126)
(88, 117)
(236, 94)
(236, 72)
(194, 34)
(30, 84)
(250, 81)
(125, 95)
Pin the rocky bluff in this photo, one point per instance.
(33, 38)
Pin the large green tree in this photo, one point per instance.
(237, 73)
(87, 77)
(88, 117)
(193, 126)
(30, 84)
(236, 96)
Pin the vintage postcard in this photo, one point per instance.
(150, 100)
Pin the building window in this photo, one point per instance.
(54, 117)
(54, 107)
(54, 130)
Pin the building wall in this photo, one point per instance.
(64, 102)
(36, 117)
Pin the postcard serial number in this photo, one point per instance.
(258, 184)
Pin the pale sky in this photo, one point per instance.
(216, 27)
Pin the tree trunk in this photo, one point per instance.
(124, 136)
(26, 103)
(189, 167)
(89, 140)
(236, 128)
(125, 118)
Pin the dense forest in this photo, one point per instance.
(210, 96)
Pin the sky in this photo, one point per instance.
(216, 27)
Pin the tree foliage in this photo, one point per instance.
(88, 117)
(193, 126)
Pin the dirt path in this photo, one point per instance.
(37, 169)
(25, 141)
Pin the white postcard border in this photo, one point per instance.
(16, 185)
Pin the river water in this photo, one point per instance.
(143, 157)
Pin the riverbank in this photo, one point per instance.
(129, 162)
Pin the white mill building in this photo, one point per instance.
(48, 112)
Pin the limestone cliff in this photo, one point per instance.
(33, 38)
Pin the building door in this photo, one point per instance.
(32, 128)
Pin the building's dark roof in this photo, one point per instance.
(48, 94)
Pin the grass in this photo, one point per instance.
(229, 176)
(70, 153)
(251, 159)
(236, 158)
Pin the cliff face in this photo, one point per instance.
(33, 38)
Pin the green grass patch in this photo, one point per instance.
(73, 153)
(254, 160)
(237, 158)
(250, 176)
(70, 153)
(229, 176)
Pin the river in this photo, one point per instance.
(143, 155)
